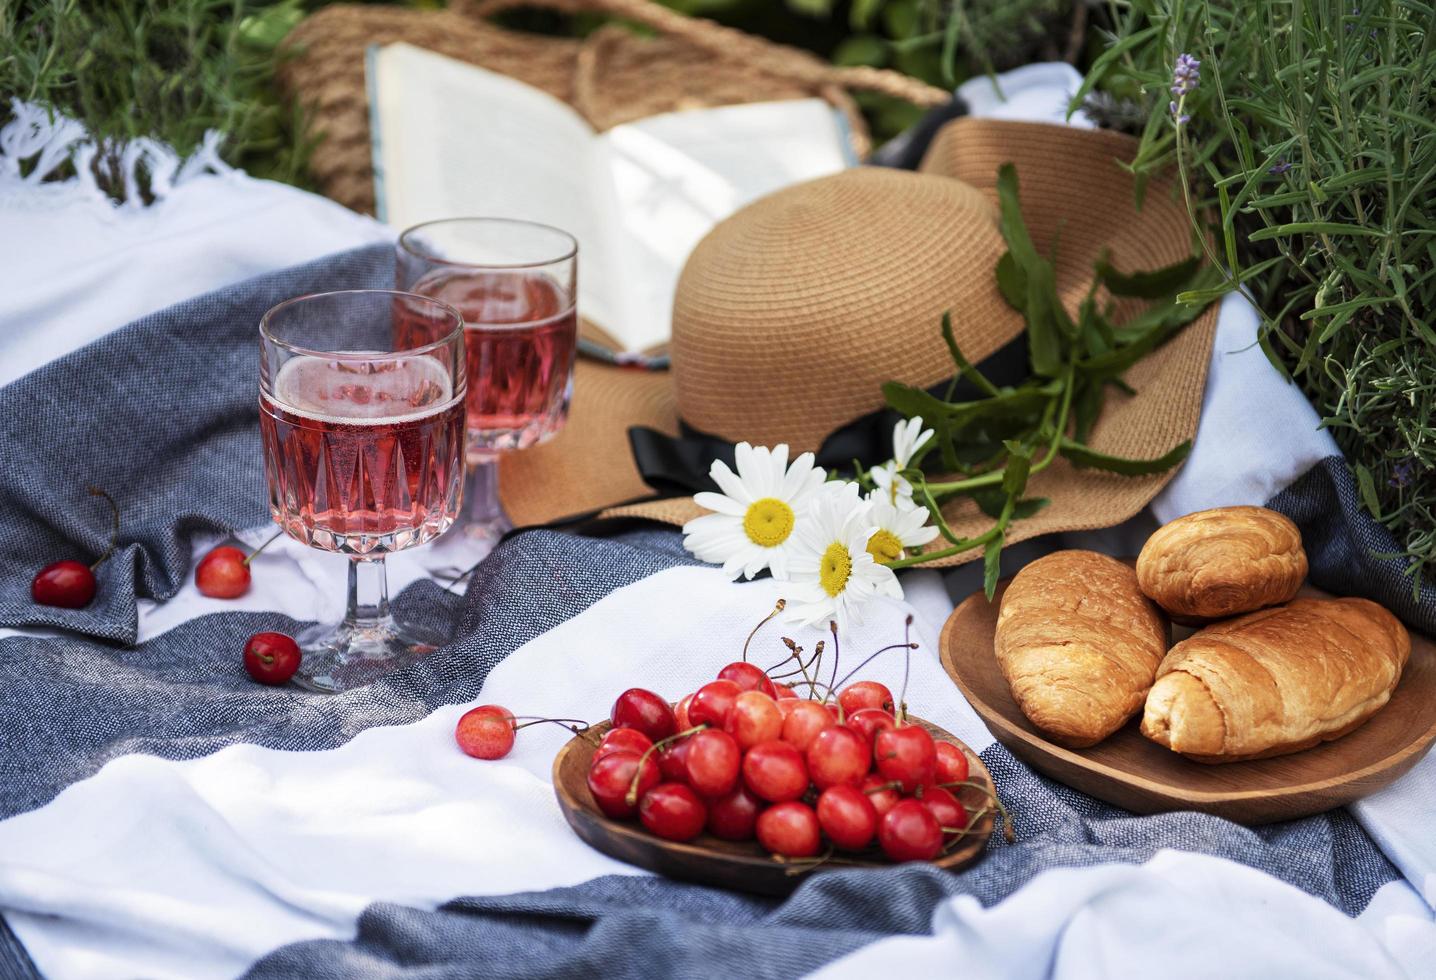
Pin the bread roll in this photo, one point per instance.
(1222, 562)
(1079, 645)
(1276, 681)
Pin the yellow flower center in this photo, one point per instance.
(884, 546)
(836, 566)
(768, 522)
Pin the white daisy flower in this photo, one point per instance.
(899, 526)
(908, 437)
(752, 525)
(833, 573)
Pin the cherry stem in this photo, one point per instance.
(779, 607)
(791, 673)
(463, 575)
(1008, 834)
(837, 654)
(895, 784)
(906, 668)
(253, 554)
(870, 659)
(800, 866)
(568, 723)
(631, 798)
(114, 525)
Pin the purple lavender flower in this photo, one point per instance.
(1401, 473)
(1280, 167)
(1186, 76)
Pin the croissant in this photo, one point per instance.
(1079, 645)
(1276, 681)
(1219, 563)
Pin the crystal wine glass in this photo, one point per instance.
(514, 284)
(361, 412)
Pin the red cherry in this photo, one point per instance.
(712, 702)
(734, 816)
(486, 732)
(909, 832)
(748, 677)
(951, 764)
(805, 719)
(610, 777)
(624, 739)
(754, 718)
(907, 755)
(271, 658)
(789, 829)
(673, 811)
(784, 692)
(645, 711)
(949, 813)
(870, 721)
(865, 694)
(880, 793)
(848, 817)
(712, 764)
(838, 755)
(680, 714)
(775, 772)
(222, 574)
(673, 761)
(68, 584)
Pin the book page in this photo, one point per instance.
(677, 175)
(455, 140)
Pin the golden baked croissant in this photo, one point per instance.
(1079, 645)
(1222, 562)
(1276, 681)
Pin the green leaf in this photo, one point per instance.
(1043, 330)
(1019, 464)
(1085, 456)
(1368, 490)
(992, 564)
(964, 368)
(1105, 61)
(1148, 285)
(1012, 282)
(863, 49)
(1313, 228)
(992, 501)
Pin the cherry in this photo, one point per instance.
(673, 761)
(784, 692)
(951, 816)
(68, 584)
(754, 718)
(951, 764)
(223, 573)
(609, 779)
(734, 816)
(680, 713)
(789, 830)
(881, 793)
(625, 739)
(838, 755)
(909, 832)
(271, 658)
(870, 721)
(866, 694)
(712, 702)
(907, 755)
(645, 711)
(712, 763)
(775, 772)
(805, 719)
(673, 811)
(749, 677)
(848, 817)
(486, 732)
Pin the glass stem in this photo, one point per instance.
(368, 594)
(482, 507)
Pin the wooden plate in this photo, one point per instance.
(1142, 776)
(743, 866)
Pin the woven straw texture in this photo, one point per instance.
(850, 317)
(611, 77)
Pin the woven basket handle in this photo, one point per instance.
(730, 43)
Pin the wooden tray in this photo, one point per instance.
(1142, 776)
(743, 865)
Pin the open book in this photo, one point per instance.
(454, 140)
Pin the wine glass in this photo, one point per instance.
(514, 284)
(361, 412)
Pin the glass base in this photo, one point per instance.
(354, 654)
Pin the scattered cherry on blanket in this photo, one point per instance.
(838, 755)
(848, 817)
(673, 811)
(749, 677)
(753, 718)
(70, 584)
(805, 719)
(610, 778)
(621, 739)
(951, 816)
(735, 816)
(712, 702)
(486, 732)
(712, 762)
(223, 573)
(645, 711)
(909, 832)
(907, 755)
(952, 766)
(789, 830)
(775, 771)
(865, 694)
(271, 658)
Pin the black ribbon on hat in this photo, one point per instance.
(677, 466)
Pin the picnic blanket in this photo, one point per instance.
(163, 816)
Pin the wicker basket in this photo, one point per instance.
(611, 77)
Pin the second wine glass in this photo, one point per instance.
(514, 283)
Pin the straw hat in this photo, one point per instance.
(791, 314)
